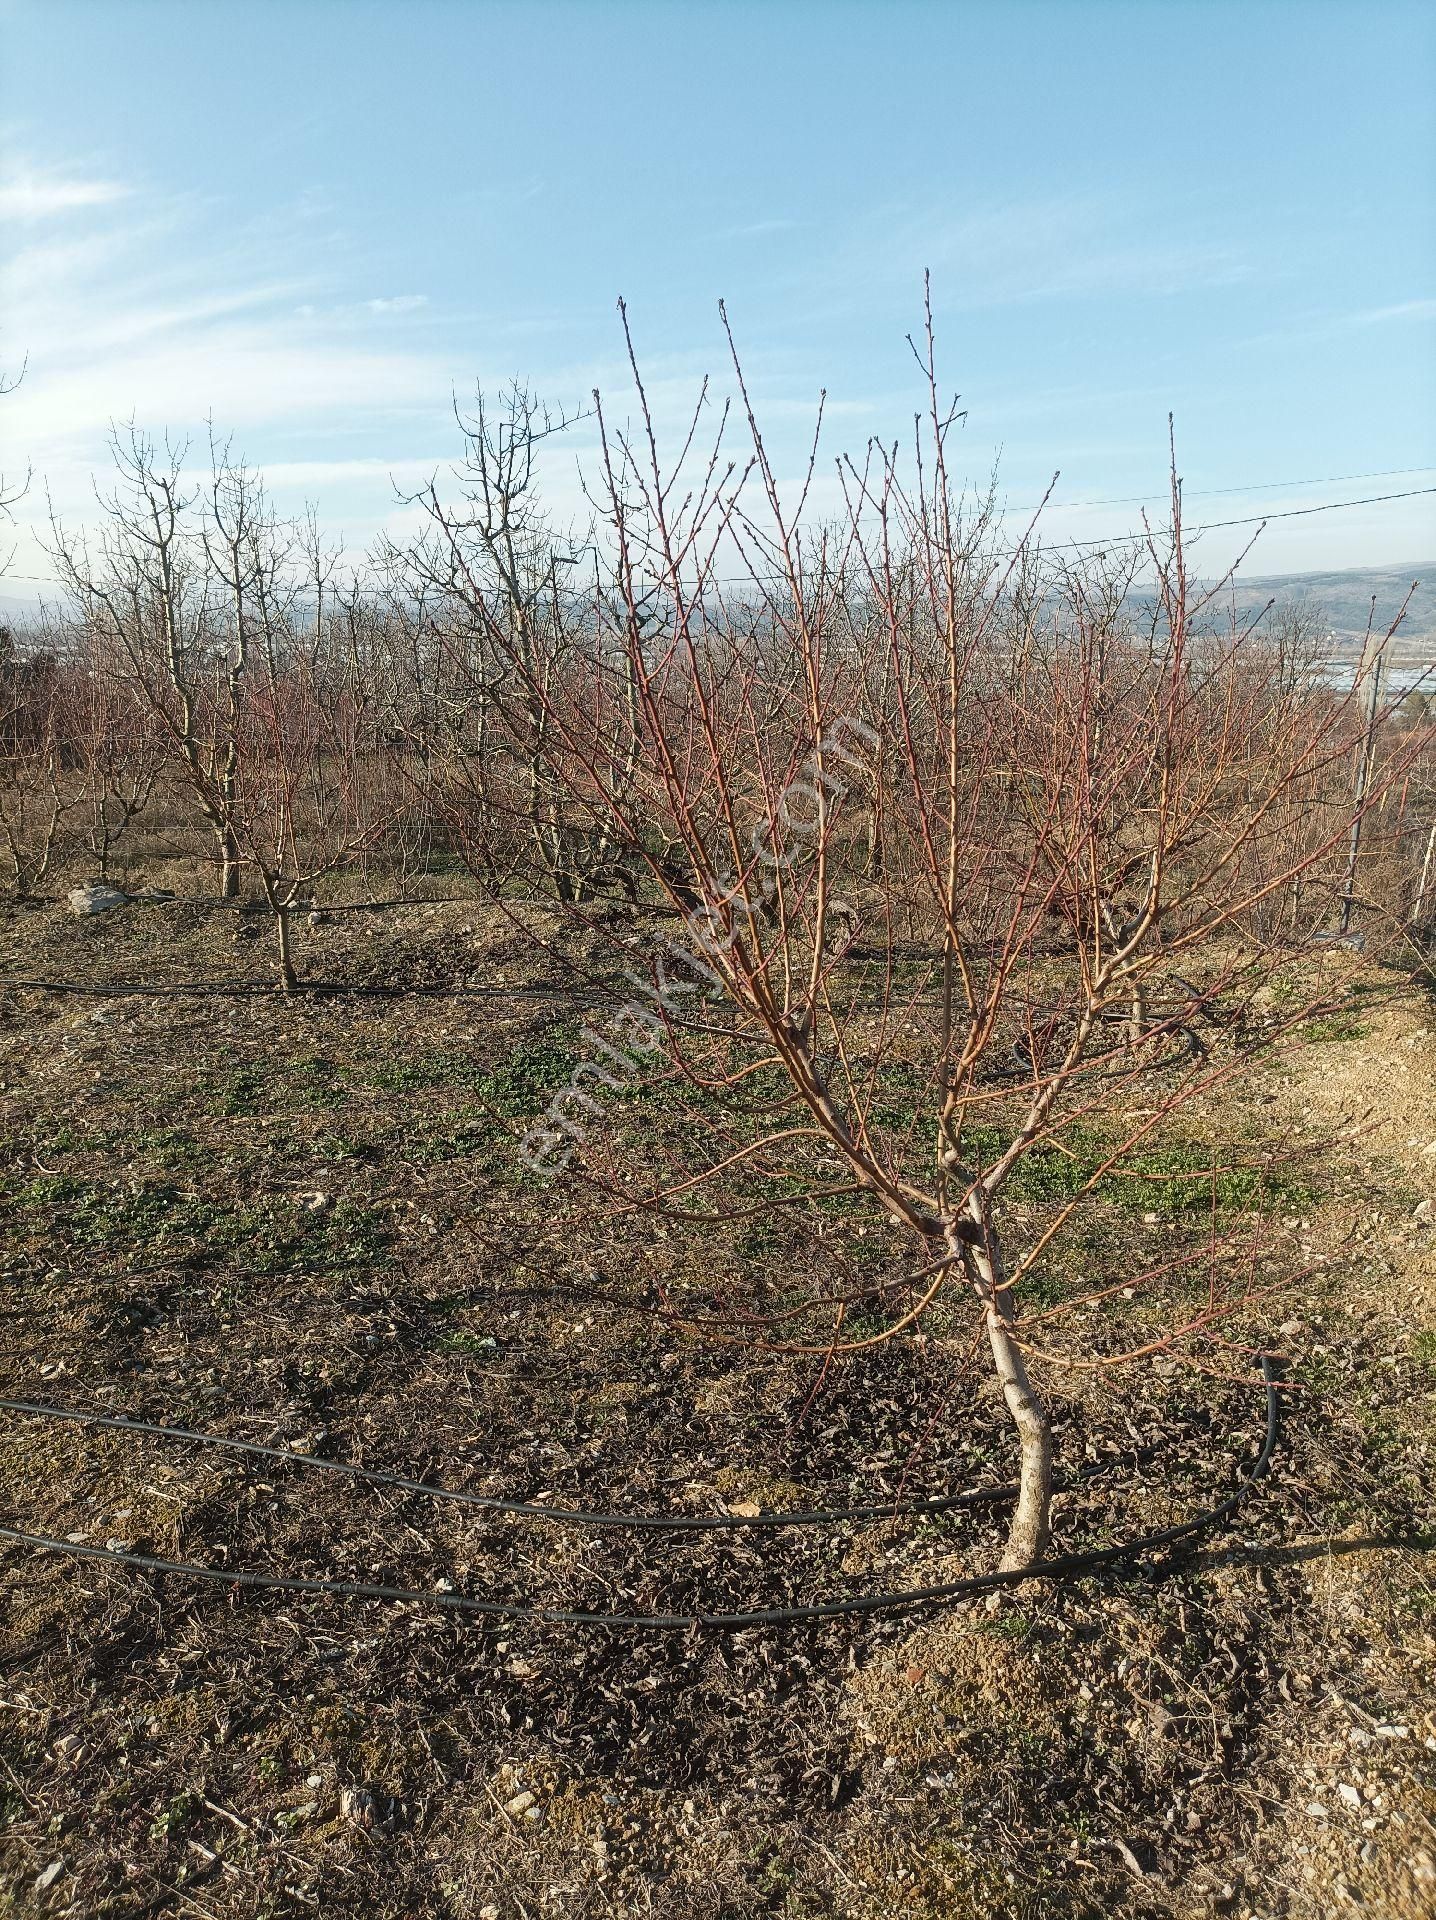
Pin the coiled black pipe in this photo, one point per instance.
(529, 1509)
(910, 1601)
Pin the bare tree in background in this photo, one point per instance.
(508, 579)
(33, 797)
(12, 492)
(294, 784)
(35, 794)
(146, 598)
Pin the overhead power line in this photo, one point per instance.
(1254, 519)
(1247, 486)
(1107, 540)
(1142, 535)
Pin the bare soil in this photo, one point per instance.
(302, 1223)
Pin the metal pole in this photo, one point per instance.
(1419, 910)
(1372, 665)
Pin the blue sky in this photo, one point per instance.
(318, 220)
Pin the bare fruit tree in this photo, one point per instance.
(37, 792)
(118, 753)
(12, 492)
(1083, 814)
(145, 598)
(212, 622)
(296, 785)
(34, 797)
(505, 576)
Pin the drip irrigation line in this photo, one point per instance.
(311, 989)
(908, 1601)
(206, 903)
(582, 996)
(530, 1509)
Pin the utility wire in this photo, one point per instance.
(1296, 513)
(1138, 538)
(1250, 486)
(1109, 540)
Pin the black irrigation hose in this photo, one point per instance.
(531, 1509)
(910, 1601)
(339, 990)
(312, 989)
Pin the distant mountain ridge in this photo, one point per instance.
(1344, 596)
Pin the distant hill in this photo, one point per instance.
(1344, 597)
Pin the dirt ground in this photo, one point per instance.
(300, 1223)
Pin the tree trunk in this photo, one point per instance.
(287, 977)
(1137, 1015)
(228, 864)
(1031, 1525)
(874, 865)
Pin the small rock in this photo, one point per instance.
(1425, 1212)
(49, 1876)
(1316, 1810)
(317, 1202)
(359, 1805)
(520, 1803)
(96, 896)
(1351, 1795)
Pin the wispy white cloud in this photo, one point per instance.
(1402, 310)
(755, 229)
(163, 308)
(312, 475)
(1330, 326)
(28, 195)
(1072, 247)
(1063, 246)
